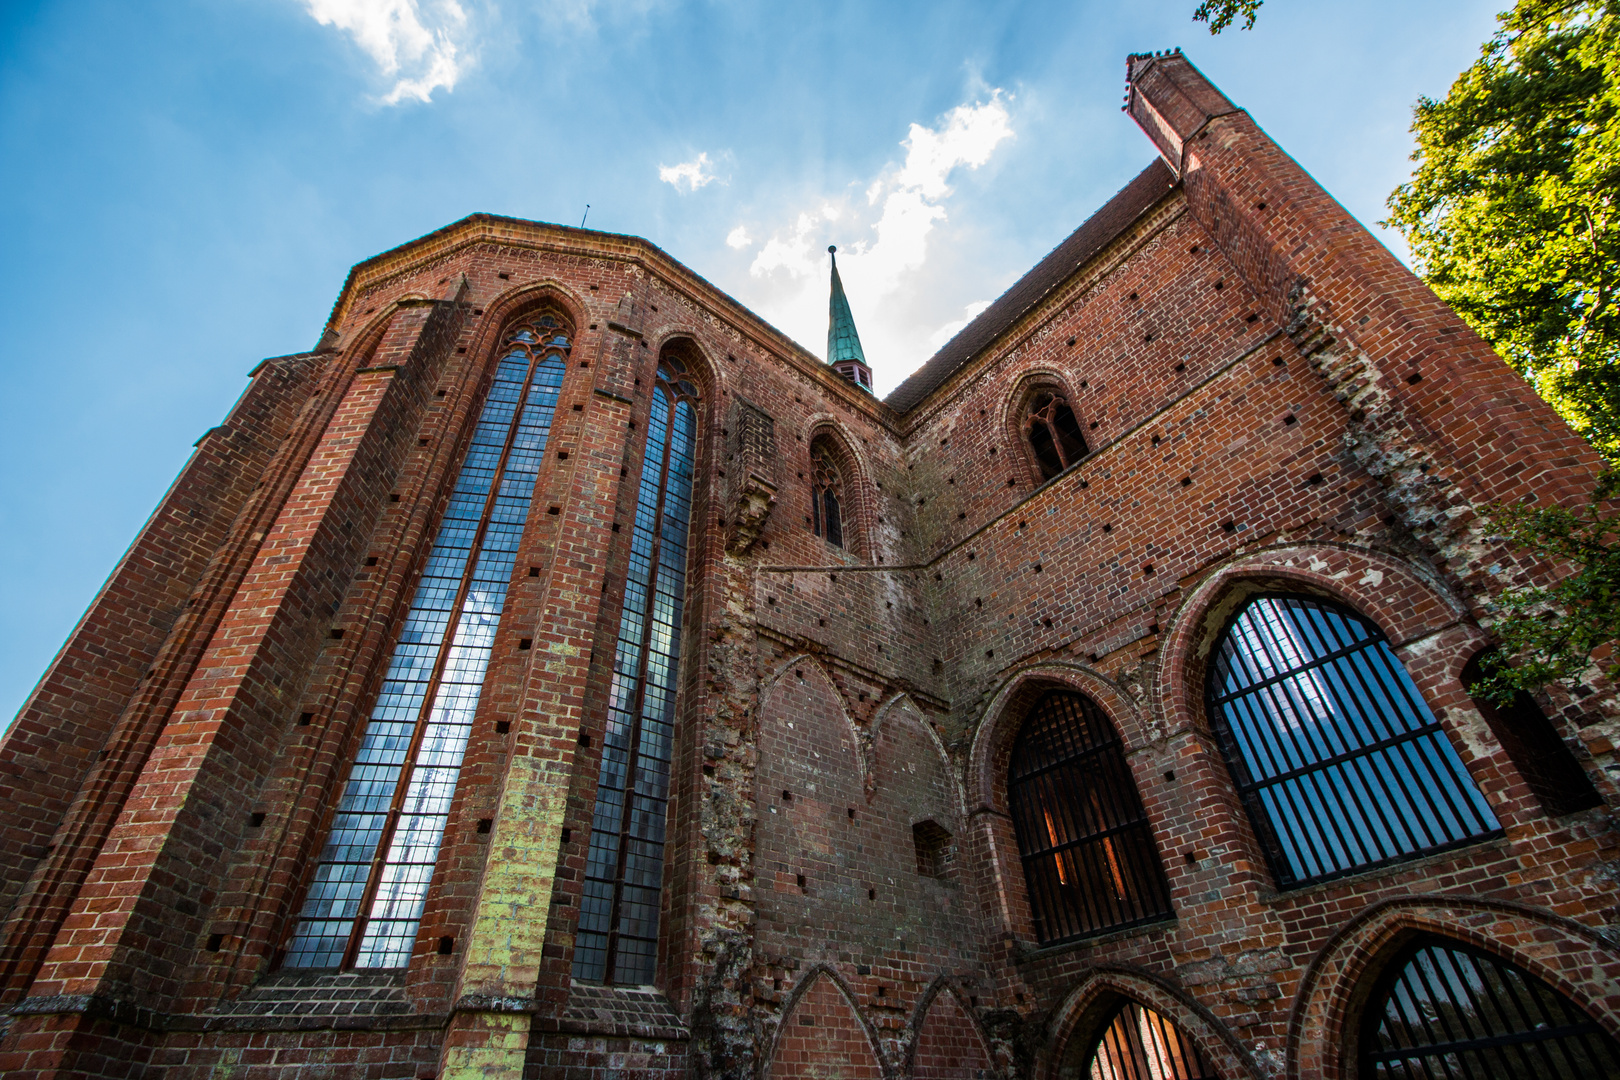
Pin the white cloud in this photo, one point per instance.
(882, 238)
(417, 43)
(738, 238)
(939, 337)
(694, 174)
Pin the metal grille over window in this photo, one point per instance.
(1445, 1010)
(1053, 434)
(617, 941)
(1089, 860)
(1139, 1044)
(1338, 759)
(365, 904)
(826, 497)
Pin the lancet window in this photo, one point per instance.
(1444, 1009)
(617, 939)
(365, 904)
(1337, 757)
(1053, 434)
(1089, 859)
(826, 496)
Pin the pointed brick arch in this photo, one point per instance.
(1078, 1021)
(1568, 956)
(810, 773)
(949, 1044)
(822, 1036)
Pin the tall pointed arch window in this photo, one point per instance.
(1053, 433)
(1140, 1044)
(1089, 859)
(617, 939)
(1445, 1009)
(826, 495)
(365, 905)
(1339, 761)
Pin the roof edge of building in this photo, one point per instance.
(1107, 224)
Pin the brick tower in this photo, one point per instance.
(559, 672)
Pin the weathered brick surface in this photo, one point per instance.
(1271, 402)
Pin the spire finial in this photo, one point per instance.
(844, 353)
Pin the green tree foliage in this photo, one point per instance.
(1511, 211)
(1550, 635)
(1222, 13)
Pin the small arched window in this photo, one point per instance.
(1053, 434)
(826, 496)
(1089, 860)
(1445, 1009)
(1139, 1044)
(1337, 757)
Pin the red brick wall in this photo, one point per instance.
(1244, 377)
(821, 1037)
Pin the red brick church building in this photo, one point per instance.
(558, 672)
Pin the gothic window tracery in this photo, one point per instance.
(1339, 761)
(1053, 433)
(617, 939)
(1090, 863)
(826, 496)
(365, 904)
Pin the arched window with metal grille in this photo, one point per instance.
(617, 940)
(826, 495)
(1443, 1009)
(1090, 864)
(1053, 433)
(365, 904)
(1339, 761)
(1140, 1044)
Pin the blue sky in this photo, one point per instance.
(184, 185)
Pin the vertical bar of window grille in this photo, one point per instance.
(1090, 863)
(618, 929)
(1336, 753)
(513, 425)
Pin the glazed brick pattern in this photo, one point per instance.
(1271, 403)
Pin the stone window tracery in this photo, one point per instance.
(1090, 863)
(1339, 761)
(826, 496)
(617, 939)
(365, 904)
(1444, 1009)
(1053, 434)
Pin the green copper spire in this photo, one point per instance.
(844, 353)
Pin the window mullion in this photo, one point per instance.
(379, 858)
